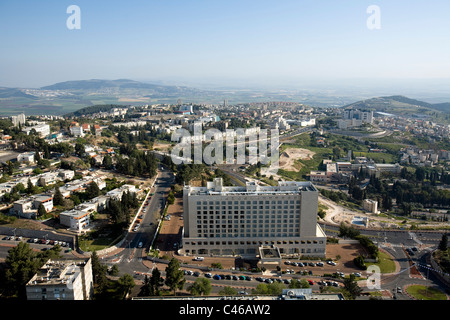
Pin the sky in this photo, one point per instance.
(224, 42)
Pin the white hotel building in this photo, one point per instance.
(221, 220)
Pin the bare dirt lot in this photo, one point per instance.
(288, 157)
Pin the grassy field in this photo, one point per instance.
(425, 293)
(385, 263)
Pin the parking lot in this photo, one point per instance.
(36, 243)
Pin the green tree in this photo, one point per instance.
(443, 244)
(99, 273)
(156, 282)
(114, 271)
(58, 198)
(79, 149)
(275, 288)
(174, 276)
(295, 284)
(351, 286)
(41, 210)
(201, 286)
(228, 291)
(92, 190)
(171, 198)
(20, 266)
(261, 289)
(126, 283)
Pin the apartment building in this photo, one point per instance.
(75, 219)
(221, 220)
(62, 280)
(370, 205)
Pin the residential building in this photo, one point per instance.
(75, 219)
(28, 207)
(42, 129)
(77, 131)
(26, 157)
(117, 193)
(18, 120)
(355, 118)
(221, 220)
(370, 205)
(62, 280)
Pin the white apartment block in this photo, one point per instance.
(62, 280)
(26, 157)
(75, 219)
(370, 205)
(42, 129)
(77, 131)
(221, 220)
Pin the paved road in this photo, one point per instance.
(129, 259)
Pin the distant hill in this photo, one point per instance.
(9, 93)
(98, 84)
(400, 105)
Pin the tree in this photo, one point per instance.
(295, 284)
(171, 197)
(126, 283)
(443, 244)
(114, 270)
(58, 198)
(156, 282)
(145, 289)
(107, 162)
(92, 190)
(351, 286)
(41, 210)
(98, 273)
(174, 276)
(21, 264)
(228, 291)
(79, 149)
(201, 286)
(420, 174)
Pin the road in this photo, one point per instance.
(129, 259)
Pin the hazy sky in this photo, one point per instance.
(215, 40)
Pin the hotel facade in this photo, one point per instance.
(226, 221)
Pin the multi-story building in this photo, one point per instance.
(370, 205)
(77, 131)
(18, 120)
(62, 280)
(221, 220)
(42, 129)
(75, 219)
